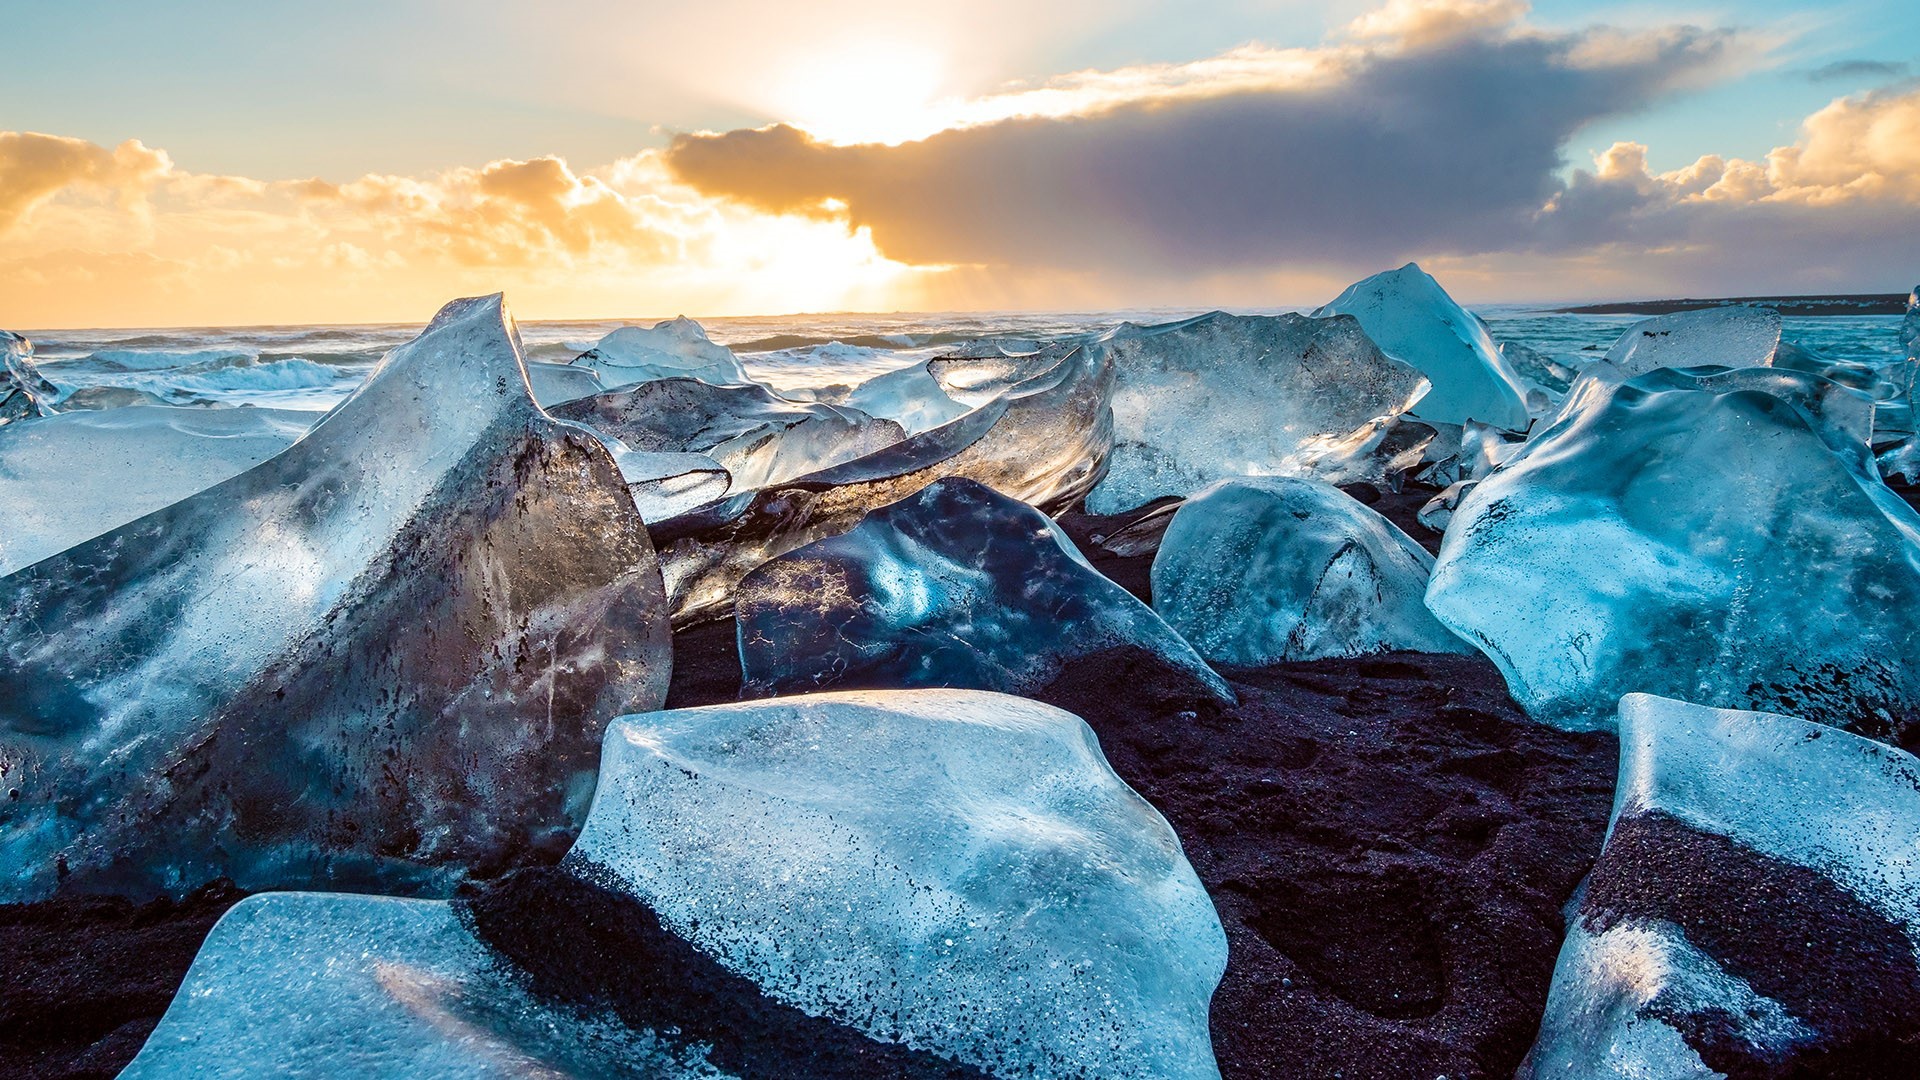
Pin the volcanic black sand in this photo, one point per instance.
(1793, 934)
(1389, 842)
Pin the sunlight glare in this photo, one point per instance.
(870, 92)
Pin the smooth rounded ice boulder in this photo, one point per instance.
(955, 870)
(1272, 568)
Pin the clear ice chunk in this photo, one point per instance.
(378, 659)
(1717, 536)
(910, 397)
(332, 984)
(1537, 370)
(67, 478)
(678, 347)
(24, 394)
(556, 384)
(1725, 823)
(1266, 569)
(1413, 319)
(955, 586)
(1733, 336)
(1044, 441)
(956, 870)
(759, 437)
(1221, 395)
(668, 485)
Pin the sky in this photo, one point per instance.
(207, 162)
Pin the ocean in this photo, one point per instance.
(313, 367)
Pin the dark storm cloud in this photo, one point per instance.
(1453, 146)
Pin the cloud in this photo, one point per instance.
(35, 167)
(1430, 126)
(165, 246)
(1838, 209)
(1428, 129)
(1843, 70)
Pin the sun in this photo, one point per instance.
(870, 92)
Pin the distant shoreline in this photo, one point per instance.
(1796, 306)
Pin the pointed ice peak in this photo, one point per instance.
(465, 373)
(1412, 318)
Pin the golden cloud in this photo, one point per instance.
(35, 167)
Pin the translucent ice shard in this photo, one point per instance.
(1266, 569)
(1233, 395)
(68, 478)
(910, 397)
(1413, 319)
(555, 384)
(1537, 369)
(24, 395)
(1718, 536)
(1044, 442)
(1736, 336)
(667, 485)
(956, 586)
(380, 657)
(955, 870)
(326, 985)
(759, 437)
(979, 371)
(674, 348)
(1755, 911)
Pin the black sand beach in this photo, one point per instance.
(1388, 840)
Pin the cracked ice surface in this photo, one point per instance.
(955, 870)
(379, 658)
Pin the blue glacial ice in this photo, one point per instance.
(910, 397)
(675, 348)
(1733, 336)
(1043, 441)
(1267, 569)
(955, 870)
(760, 437)
(70, 477)
(955, 586)
(557, 384)
(1730, 829)
(1233, 395)
(1413, 319)
(1720, 537)
(24, 394)
(667, 485)
(419, 614)
(332, 984)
